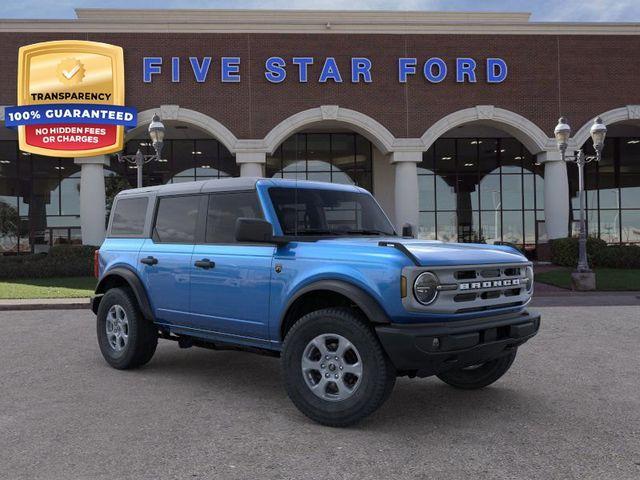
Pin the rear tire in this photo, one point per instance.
(478, 376)
(127, 340)
(335, 369)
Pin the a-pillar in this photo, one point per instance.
(556, 194)
(406, 189)
(251, 163)
(92, 199)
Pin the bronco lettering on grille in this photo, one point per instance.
(489, 284)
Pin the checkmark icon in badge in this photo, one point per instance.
(70, 71)
(70, 74)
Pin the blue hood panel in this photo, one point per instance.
(439, 253)
(435, 253)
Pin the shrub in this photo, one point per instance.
(564, 252)
(61, 261)
(618, 256)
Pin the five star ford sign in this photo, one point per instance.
(70, 99)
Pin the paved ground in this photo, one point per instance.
(570, 408)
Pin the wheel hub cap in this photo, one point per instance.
(332, 367)
(117, 328)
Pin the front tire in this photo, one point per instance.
(478, 376)
(127, 340)
(335, 369)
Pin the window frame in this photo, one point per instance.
(204, 217)
(198, 230)
(117, 201)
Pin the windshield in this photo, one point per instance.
(304, 211)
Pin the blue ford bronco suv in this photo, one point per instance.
(313, 273)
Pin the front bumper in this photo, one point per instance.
(430, 348)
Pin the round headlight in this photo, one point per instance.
(425, 288)
(529, 276)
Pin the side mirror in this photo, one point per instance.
(253, 230)
(407, 230)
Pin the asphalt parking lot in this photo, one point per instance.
(569, 408)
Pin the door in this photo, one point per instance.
(230, 281)
(165, 258)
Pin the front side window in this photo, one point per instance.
(224, 209)
(128, 216)
(328, 212)
(176, 219)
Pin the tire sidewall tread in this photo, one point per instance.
(143, 335)
(378, 375)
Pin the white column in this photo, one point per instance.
(251, 163)
(556, 194)
(406, 189)
(92, 199)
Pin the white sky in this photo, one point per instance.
(542, 10)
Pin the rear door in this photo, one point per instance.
(230, 281)
(165, 258)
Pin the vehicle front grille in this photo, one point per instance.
(467, 289)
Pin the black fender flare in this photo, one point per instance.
(134, 282)
(363, 300)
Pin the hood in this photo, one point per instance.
(436, 253)
(440, 253)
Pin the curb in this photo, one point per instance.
(45, 304)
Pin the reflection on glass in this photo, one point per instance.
(447, 226)
(427, 227)
(467, 192)
(512, 228)
(491, 224)
(490, 197)
(329, 157)
(469, 227)
(610, 226)
(630, 191)
(445, 195)
(512, 192)
(426, 192)
(529, 228)
(630, 226)
(70, 196)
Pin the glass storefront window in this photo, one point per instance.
(447, 226)
(42, 194)
(630, 224)
(612, 191)
(484, 190)
(327, 157)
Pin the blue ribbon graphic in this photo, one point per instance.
(70, 113)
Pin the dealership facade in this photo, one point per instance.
(447, 118)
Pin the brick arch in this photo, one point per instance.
(374, 131)
(616, 115)
(192, 117)
(527, 132)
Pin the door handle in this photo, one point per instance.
(205, 263)
(149, 260)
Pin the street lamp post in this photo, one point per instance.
(156, 133)
(562, 133)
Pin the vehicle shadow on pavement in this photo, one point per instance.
(255, 382)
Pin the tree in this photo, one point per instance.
(9, 222)
(113, 185)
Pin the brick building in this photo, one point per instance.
(447, 118)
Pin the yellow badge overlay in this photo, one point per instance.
(71, 72)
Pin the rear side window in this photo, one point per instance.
(176, 219)
(224, 209)
(129, 215)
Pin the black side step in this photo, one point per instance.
(402, 248)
